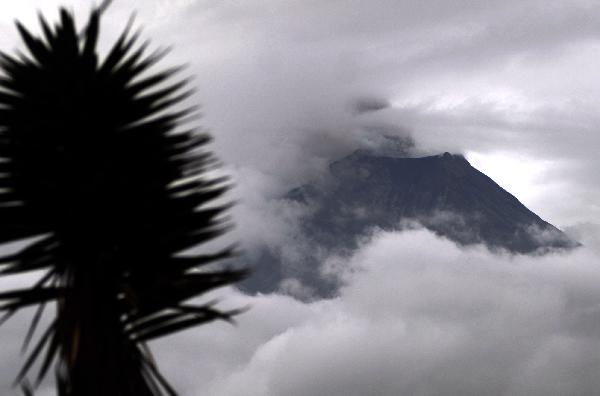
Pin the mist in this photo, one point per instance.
(417, 315)
(288, 87)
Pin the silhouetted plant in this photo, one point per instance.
(95, 163)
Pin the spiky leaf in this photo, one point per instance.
(95, 161)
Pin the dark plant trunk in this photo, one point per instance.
(91, 331)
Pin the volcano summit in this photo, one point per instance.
(366, 191)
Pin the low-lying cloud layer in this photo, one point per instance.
(418, 316)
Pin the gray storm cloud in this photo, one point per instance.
(515, 76)
(276, 80)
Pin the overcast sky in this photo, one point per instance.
(513, 85)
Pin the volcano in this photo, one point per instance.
(366, 191)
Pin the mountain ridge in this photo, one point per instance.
(444, 193)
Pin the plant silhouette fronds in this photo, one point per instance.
(95, 162)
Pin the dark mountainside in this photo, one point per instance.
(444, 193)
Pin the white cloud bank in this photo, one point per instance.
(419, 316)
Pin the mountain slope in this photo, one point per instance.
(444, 193)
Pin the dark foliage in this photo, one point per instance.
(95, 163)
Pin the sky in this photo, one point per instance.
(510, 84)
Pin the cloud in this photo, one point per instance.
(588, 233)
(418, 316)
(511, 77)
(277, 82)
